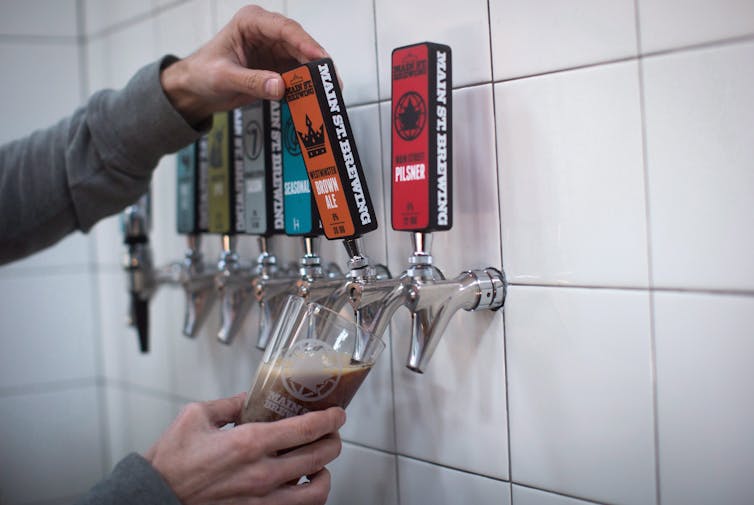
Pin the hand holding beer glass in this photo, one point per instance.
(316, 359)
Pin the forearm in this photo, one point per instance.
(132, 481)
(88, 166)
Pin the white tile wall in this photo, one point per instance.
(100, 16)
(57, 347)
(572, 184)
(355, 61)
(363, 476)
(700, 115)
(27, 96)
(227, 8)
(422, 483)
(183, 29)
(135, 420)
(705, 406)
(567, 207)
(47, 18)
(668, 24)
(462, 25)
(528, 496)
(534, 37)
(41, 434)
(580, 392)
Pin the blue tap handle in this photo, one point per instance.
(301, 216)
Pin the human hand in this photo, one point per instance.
(239, 65)
(241, 465)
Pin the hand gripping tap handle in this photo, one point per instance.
(327, 145)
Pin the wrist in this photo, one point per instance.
(176, 84)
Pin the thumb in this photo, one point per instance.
(225, 410)
(262, 84)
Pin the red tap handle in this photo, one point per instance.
(422, 150)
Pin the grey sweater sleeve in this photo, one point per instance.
(88, 166)
(133, 481)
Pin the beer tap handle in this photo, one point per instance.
(140, 320)
(422, 136)
(138, 265)
(329, 151)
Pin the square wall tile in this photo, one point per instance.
(135, 420)
(101, 15)
(50, 445)
(351, 45)
(205, 368)
(46, 18)
(580, 392)
(364, 476)
(226, 9)
(534, 37)
(125, 51)
(121, 358)
(27, 102)
(668, 24)
(700, 115)
(464, 26)
(181, 30)
(422, 483)
(705, 405)
(528, 496)
(48, 326)
(463, 387)
(572, 178)
(72, 253)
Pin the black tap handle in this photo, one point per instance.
(140, 316)
(329, 151)
(422, 138)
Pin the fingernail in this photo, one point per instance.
(272, 87)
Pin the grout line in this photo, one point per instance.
(96, 321)
(502, 265)
(47, 387)
(39, 39)
(696, 291)
(650, 264)
(700, 45)
(130, 387)
(386, 204)
(26, 272)
(564, 495)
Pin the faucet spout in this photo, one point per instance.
(198, 285)
(234, 289)
(433, 304)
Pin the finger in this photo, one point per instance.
(307, 460)
(300, 430)
(312, 493)
(262, 84)
(225, 410)
(256, 23)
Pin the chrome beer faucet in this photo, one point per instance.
(422, 201)
(143, 278)
(233, 282)
(433, 300)
(192, 215)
